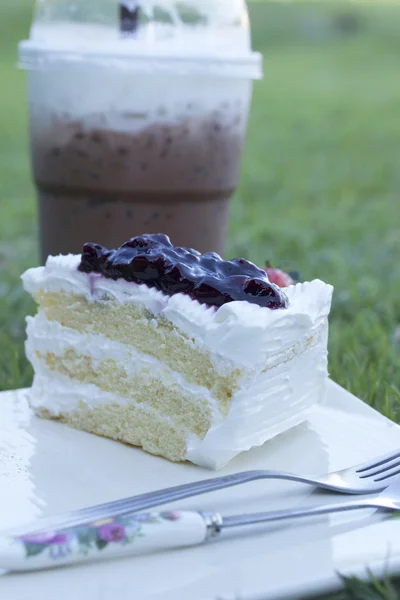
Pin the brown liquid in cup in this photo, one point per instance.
(106, 186)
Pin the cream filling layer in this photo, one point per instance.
(61, 395)
(50, 337)
(76, 402)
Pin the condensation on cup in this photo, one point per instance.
(138, 112)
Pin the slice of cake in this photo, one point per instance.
(186, 355)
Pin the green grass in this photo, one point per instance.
(321, 181)
(320, 186)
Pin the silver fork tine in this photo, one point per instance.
(388, 475)
(382, 469)
(382, 460)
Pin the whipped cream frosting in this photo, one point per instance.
(278, 399)
(244, 335)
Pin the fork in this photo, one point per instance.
(137, 534)
(372, 476)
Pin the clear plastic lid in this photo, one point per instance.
(212, 32)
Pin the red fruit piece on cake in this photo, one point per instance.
(278, 277)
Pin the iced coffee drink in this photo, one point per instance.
(135, 144)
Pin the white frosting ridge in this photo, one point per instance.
(279, 399)
(245, 334)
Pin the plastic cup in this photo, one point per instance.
(126, 140)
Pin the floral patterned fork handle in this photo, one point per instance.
(110, 538)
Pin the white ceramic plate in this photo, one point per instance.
(47, 468)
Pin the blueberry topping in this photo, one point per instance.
(152, 260)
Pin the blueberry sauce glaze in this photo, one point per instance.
(152, 260)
